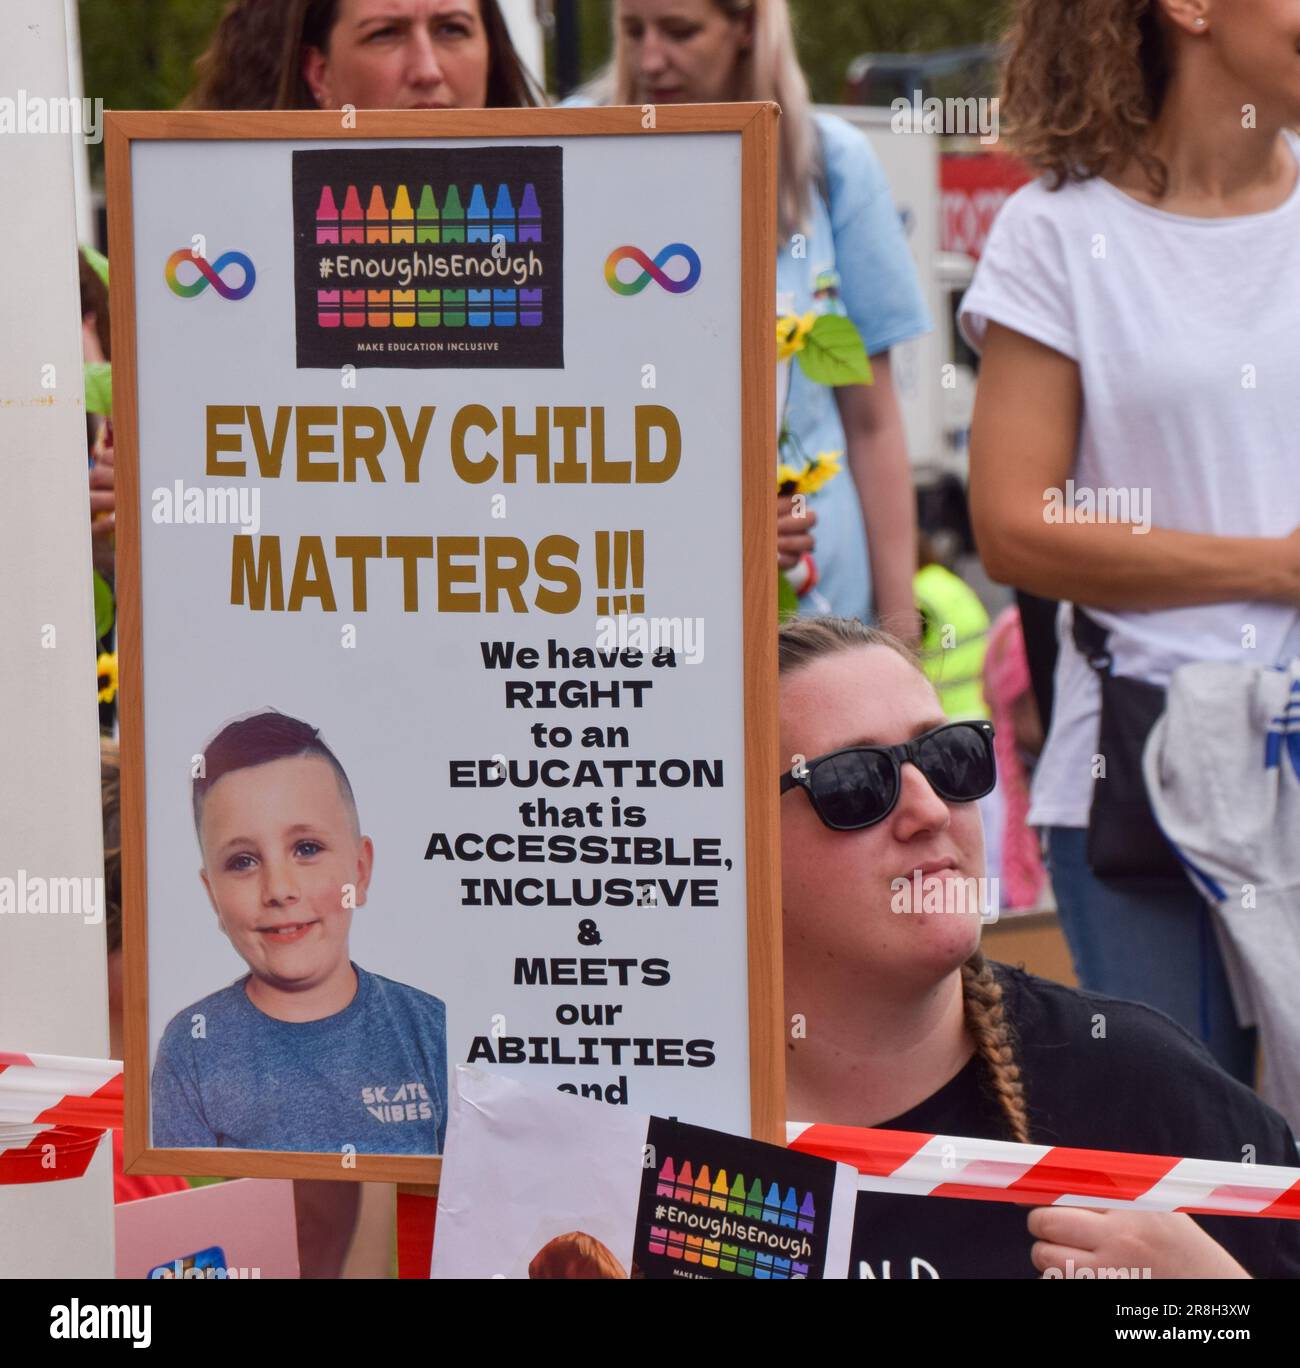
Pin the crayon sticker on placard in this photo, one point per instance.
(715, 1207)
(420, 259)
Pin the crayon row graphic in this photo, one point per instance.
(428, 222)
(751, 1203)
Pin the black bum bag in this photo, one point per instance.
(1124, 841)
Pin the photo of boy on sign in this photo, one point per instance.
(308, 1051)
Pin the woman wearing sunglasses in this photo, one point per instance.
(907, 1026)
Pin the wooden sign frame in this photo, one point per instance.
(755, 124)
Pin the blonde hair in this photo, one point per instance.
(804, 640)
(770, 70)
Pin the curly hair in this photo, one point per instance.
(1082, 85)
(804, 640)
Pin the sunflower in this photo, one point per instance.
(818, 472)
(821, 470)
(787, 479)
(792, 333)
(106, 669)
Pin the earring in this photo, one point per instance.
(1200, 23)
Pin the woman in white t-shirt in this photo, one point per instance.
(1134, 446)
(907, 1027)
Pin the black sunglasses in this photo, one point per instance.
(859, 786)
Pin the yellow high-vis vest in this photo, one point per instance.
(954, 640)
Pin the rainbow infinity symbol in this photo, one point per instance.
(210, 274)
(653, 270)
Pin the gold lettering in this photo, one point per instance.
(498, 576)
(515, 444)
(257, 578)
(472, 416)
(219, 441)
(309, 471)
(551, 554)
(412, 550)
(270, 456)
(357, 447)
(450, 575)
(316, 584)
(603, 471)
(359, 550)
(569, 469)
(648, 418)
(410, 443)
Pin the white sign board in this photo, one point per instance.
(483, 552)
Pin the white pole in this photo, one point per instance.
(80, 156)
(53, 989)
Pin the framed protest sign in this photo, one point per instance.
(448, 624)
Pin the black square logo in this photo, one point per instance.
(426, 258)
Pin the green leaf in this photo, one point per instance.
(104, 606)
(99, 387)
(834, 353)
(787, 601)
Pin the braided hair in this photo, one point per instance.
(986, 1019)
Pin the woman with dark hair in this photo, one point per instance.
(1133, 446)
(906, 1026)
(370, 54)
(240, 67)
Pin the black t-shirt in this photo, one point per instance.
(1098, 1073)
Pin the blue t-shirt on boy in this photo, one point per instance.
(373, 1076)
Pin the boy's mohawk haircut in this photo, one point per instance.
(258, 740)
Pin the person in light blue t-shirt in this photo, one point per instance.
(306, 1052)
(843, 250)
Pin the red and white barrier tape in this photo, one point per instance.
(906, 1162)
(54, 1110)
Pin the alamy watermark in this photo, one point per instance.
(952, 117)
(1087, 1271)
(236, 505)
(180, 1268)
(684, 637)
(945, 893)
(1107, 504)
(72, 1320)
(24, 113)
(37, 895)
